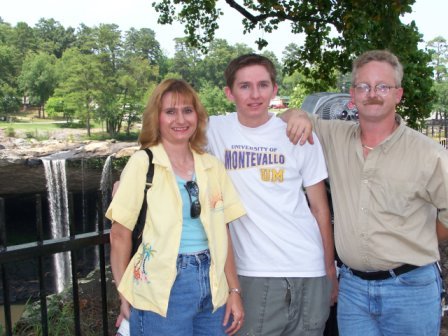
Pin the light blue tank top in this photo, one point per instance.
(193, 238)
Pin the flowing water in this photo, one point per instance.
(106, 182)
(60, 226)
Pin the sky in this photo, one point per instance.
(429, 15)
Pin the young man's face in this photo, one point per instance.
(252, 92)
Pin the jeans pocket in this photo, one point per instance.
(344, 272)
(422, 276)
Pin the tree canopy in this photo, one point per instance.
(439, 53)
(105, 75)
(335, 33)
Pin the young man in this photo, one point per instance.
(390, 190)
(283, 248)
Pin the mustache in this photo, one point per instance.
(373, 101)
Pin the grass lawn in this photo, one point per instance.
(26, 126)
(40, 130)
(44, 129)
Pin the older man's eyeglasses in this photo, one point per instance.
(380, 89)
(193, 192)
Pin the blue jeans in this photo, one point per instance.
(190, 304)
(408, 304)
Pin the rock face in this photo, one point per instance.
(22, 171)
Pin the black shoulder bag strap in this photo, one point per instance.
(138, 229)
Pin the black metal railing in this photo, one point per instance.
(43, 248)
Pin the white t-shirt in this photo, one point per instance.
(279, 237)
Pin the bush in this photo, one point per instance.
(11, 132)
(61, 311)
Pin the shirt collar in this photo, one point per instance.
(396, 134)
(387, 143)
(161, 158)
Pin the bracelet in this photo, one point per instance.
(235, 290)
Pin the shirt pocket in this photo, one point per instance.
(393, 196)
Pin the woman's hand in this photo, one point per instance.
(125, 311)
(234, 307)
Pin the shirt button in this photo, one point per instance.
(366, 181)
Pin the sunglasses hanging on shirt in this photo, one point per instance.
(193, 193)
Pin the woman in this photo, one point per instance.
(182, 279)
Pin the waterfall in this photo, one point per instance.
(106, 182)
(83, 199)
(105, 188)
(59, 217)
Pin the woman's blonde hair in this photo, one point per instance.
(150, 133)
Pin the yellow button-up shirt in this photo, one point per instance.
(385, 205)
(148, 279)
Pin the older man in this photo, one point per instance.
(390, 191)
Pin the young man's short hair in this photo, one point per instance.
(245, 61)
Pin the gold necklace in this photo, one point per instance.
(367, 147)
(372, 148)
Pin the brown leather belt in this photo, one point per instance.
(383, 275)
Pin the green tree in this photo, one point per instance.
(242, 48)
(185, 62)
(335, 33)
(56, 106)
(143, 43)
(85, 39)
(9, 100)
(172, 75)
(80, 85)
(441, 104)
(215, 100)
(107, 54)
(109, 45)
(134, 79)
(439, 57)
(38, 78)
(6, 32)
(9, 70)
(278, 68)
(293, 87)
(24, 38)
(212, 67)
(52, 37)
(439, 52)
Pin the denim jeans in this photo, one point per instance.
(408, 304)
(190, 304)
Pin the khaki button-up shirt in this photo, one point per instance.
(385, 205)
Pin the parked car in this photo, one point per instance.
(278, 103)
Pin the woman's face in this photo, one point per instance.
(178, 119)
